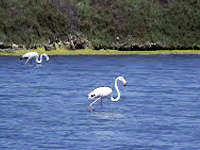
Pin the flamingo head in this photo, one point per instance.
(122, 79)
(91, 95)
(46, 56)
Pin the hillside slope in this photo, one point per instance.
(113, 24)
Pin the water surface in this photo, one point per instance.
(44, 107)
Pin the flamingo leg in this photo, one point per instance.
(101, 102)
(90, 106)
(27, 60)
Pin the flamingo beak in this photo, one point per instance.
(125, 85)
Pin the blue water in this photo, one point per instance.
(44, 107)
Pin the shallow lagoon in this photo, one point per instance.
(44, 107)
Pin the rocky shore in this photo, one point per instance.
(107, 24)
(75, 43)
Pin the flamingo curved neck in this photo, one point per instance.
(38, 59)
(118, 93)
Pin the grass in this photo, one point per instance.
(90, 52)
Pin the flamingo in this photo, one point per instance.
(103, 92)
(38, 58)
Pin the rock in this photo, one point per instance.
(56, 45)
(49, 47)
(14, 46)
(60, 44)
(5, 47)
(72, 46)
(66, 44)
(76, 41)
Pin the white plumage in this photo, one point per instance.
(103, 92)
(38, 58)
(100, 92)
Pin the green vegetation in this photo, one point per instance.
(90, 52)
(174, 24)
(31, 22)
(106, 24)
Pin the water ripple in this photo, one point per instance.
(44, 107)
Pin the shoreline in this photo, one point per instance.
(90, 52)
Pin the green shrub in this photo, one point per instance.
(169, 23)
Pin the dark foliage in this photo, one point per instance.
(119, 24)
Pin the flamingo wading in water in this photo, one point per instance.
(102, 92)
(38, 58)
